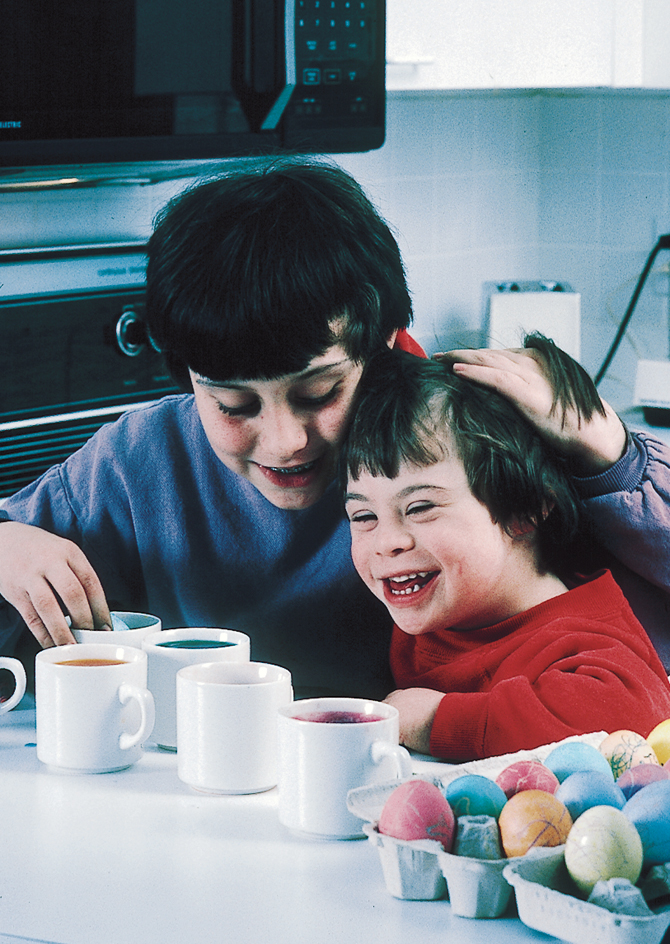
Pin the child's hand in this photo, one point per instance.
(595, 444)
(417, 708)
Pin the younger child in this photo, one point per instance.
(455, 507)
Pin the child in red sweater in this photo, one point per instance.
(455, 505)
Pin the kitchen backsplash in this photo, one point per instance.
(477, 187)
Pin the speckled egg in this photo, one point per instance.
(474, 795)
(586, 788)
(572, 756)
(635, 778)
(533, 818)
(417, 810)
(624, 749)
(649, 811)
(602, 844)
(526, 775)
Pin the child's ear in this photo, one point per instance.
(519, 528)
(391, 338)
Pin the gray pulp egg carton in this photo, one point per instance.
(546, 902)
(421, 869)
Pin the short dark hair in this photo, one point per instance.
(409, 409)
(247, 272)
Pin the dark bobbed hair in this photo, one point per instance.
(416, 411)
(247, 272)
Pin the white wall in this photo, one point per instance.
(477, 187)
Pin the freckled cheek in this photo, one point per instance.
(361, 554)
(229, 439)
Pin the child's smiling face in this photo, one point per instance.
(430, 551)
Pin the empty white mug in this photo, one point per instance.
(227, 725)
(328, 746)
(93, 711)
(172, 650)
(19, 673)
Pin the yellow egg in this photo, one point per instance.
(660, 741)
(624, 749)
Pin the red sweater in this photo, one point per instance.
(579, 662)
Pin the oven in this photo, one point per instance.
(73, 352)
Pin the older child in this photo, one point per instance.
(456, 509)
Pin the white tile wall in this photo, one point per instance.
(477, 187)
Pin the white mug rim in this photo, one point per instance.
(197, 673)
(336, 703)
(58, 655)
(212, 632)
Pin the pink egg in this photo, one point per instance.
(526, 775)
(418, 810)
(639, 776)
(533, 818)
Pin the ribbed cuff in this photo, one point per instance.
(624, 476)
(459, 726)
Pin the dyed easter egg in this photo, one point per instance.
(572, 756)
(526, 775)
(635, 778)
(586, 788)
(624, 749)
(533, 818)
(474, 795)
(649, 811)
(418, 810)
(118, 625)
(659, 739)
(602, 844)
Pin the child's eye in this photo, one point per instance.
(312, 402)
(416, 508)
(248, 409)
(362, 518)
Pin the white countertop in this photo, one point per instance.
(138, 856)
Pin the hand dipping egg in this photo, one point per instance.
(533, 818)
(418, 810)
(602, 844)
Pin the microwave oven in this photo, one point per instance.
(89, 81)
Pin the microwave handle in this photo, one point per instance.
(274, 115)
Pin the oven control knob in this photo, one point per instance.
(131, 333)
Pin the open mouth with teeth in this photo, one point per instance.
(408, 585)
(294, 476)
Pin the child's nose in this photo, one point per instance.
(393, 538)
(284, 434)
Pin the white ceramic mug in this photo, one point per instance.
(227, 725)
(166, 657)
(139, 625)
(19, 673)
(92, 718)
(320, 761)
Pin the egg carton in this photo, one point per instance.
(421, 869)
(545, 903)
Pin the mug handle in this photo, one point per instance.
(381, 749)
(145, 700)
(19, 673)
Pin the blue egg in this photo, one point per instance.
(118, 625)
(474, 795)
(586, 788)
(574, 756)
(649, 811)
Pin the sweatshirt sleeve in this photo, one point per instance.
(571, 686)
(629, 505)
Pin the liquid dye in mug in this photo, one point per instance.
(90, 662)
(338, 717)
(195, 644)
